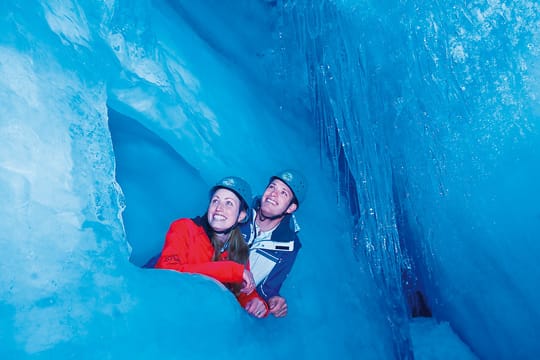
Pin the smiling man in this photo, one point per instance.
(272, 236)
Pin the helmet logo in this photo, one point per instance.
(287, 176)
(295, 181)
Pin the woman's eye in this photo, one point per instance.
(229, 203)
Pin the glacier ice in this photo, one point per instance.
(70, 289)
(416, 123)
(430, 112)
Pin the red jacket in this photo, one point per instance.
(188, 249)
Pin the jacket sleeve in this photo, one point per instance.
(223, 271)
(185, 251)
(270, 286)
(244, 299)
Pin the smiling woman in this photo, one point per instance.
(213, 245)
(224, 212)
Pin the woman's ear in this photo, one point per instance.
(242, 216)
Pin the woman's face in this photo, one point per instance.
(223, 210)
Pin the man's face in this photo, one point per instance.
(276, 199)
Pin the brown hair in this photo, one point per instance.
(237, 249)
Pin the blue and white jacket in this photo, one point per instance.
(271, 254)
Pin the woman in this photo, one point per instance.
(212, 244)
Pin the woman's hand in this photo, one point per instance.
(256, 307)
(248, 282)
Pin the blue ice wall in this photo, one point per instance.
(422, 117)
(107, 105)
(430, 112)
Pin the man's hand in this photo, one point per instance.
(248, 283)
(278, 306)
(256, 308)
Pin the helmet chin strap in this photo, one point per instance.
(262, 217)
(226, 231)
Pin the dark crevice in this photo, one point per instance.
(412, 279)
(159, 185)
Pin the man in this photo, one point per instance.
(272, 237)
